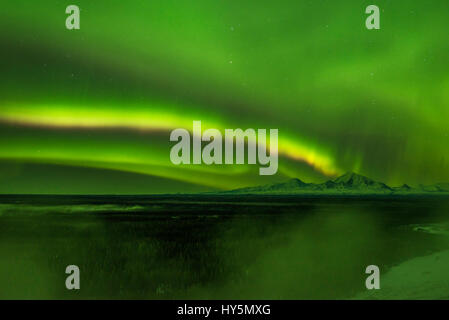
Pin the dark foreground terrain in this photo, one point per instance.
(228, 246)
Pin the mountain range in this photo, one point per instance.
(349, 183)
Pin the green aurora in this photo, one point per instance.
(91, 110)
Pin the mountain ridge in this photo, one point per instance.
(348, 183)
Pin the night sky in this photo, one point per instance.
(91, 110)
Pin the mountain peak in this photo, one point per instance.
(295, 182)
(351, 176)
(351, 180)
